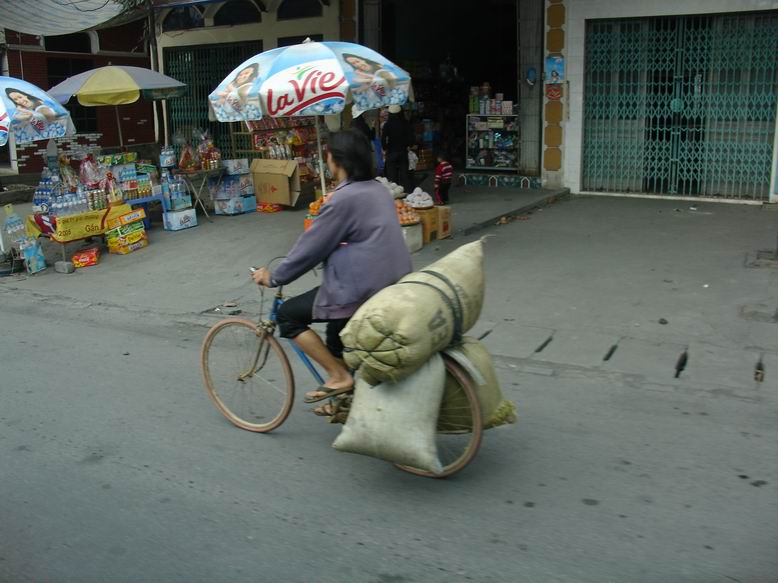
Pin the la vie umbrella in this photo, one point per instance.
(310, 79)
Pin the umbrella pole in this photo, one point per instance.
(119, 126)
(321, 158)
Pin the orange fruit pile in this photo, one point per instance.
(315, 206)
(406, 214)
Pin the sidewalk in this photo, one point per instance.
(188, 272)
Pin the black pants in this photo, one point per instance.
(396, 169)
(443, 191)
(296, 315)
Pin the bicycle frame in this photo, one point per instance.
(278, 301)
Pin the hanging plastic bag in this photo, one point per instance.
(89, 172)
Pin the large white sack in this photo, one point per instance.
(399, 328)
(396, 422)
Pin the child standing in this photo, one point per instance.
(444, 173)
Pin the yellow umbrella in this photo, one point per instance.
(117, 85)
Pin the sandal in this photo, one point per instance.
(325, 410)
(327, 393)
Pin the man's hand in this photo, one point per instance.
(262, 277)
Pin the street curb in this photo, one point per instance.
(552, 197)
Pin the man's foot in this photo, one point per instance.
(325, 410)
(325, 392)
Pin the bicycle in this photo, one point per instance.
(254, 356)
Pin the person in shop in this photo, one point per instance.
(396, 138)
(361, 124)
(359, 240)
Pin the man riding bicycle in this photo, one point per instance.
(359, 239)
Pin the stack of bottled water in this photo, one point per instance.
(176, 192)
(69, 203)
(14, 226)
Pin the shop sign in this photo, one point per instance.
(554, 92)
(555, 69)
(295, 89)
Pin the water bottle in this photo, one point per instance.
(14, 227)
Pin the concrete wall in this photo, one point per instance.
(577, 12)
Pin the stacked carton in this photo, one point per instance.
(126, 233)
(233, 194)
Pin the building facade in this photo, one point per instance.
(669, 98)
(46, 61)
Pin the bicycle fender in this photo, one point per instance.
(466, 364)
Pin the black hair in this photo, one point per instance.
(254, 72)
(35, 101)
(375, 64)
(443, 154)
(350, 150)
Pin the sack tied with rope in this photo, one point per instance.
(397, 330)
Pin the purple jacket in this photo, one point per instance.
(359, 239)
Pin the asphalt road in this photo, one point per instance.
(114, 466)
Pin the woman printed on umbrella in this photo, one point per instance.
(359, 239)
(30, 109)
(234, 95)
(370, 75)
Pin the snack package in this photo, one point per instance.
(187, 161)
(89, 171)
(86, 257)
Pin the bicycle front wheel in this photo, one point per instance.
(247, 375)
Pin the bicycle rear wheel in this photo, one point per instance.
(247, 375)
(459, 436)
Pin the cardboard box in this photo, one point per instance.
(276, 181)
(124, 230)
(429, 224)
(231, 186)
(228, 206)
(445, 225)
(236, 167)
(249, 204)
(126, 218)
(179, 220)
(414, 237)
(128, 244)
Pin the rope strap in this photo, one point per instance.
(454, 305)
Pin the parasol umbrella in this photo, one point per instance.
(30, 113)
(117, 85)
(311, 78)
